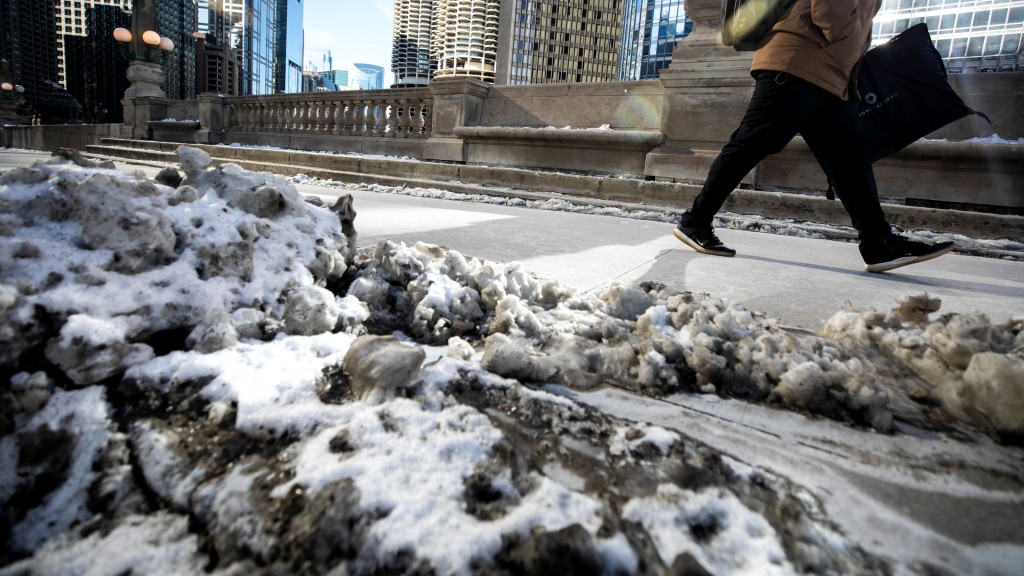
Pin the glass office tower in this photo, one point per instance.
(248, 27)
(288, 47)
(369, 76)
(650, 30)
(971, 35)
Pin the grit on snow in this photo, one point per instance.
(201, 375)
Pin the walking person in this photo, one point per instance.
(802, 72)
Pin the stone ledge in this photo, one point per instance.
(622, 139)
(174, 130)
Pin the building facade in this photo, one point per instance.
(176, 19)
(288, 47)
(411, 59)
(28, 41)
(464, 42)
(650, 31)
(96, 72)
(507, 42)
(971, 35)
(369, 76)
(556, 41)
(217, 66)
(247, 26)
(72, 22)
(339, 77)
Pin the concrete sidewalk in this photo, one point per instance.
(800, 281)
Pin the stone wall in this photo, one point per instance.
(49, 138)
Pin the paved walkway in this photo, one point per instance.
(800, 281)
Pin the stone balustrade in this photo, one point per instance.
(366, 113)
(668, 129)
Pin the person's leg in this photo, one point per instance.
(779, 106)
(835, 136)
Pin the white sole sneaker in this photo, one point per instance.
(728, 252)
(905, 260)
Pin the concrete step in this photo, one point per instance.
(629, 193)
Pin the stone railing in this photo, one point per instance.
(375, 113)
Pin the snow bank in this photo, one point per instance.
(207, 377)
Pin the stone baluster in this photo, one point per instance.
(417, 119)
(240, 113)
(385, 114)
(261, 116)
(301, 116)
(275, 117)
(358, 107)
(346, 118)
(392, 123)
(284, 123)
(298, 121)
(317, 115)
(307, 116)
(373, 118)
(402, 119)
(380, 113)
(428, 122)
(410, 118)
(330, 110)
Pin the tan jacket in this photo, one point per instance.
(819, 41)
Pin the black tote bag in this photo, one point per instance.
(904, 93)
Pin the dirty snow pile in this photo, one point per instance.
(200, 375)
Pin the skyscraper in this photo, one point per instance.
(95, 70)
(339, 77)
(288, 47)
(411, 59)
(465, 38)
(551, 41)
(176, 19)
(650, 30)
(217, 65)
(28, 41)
(72, 22)
(248, 27)
(369, 76)
(509, 42)
(970, 36)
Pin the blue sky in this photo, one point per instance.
(353, 31)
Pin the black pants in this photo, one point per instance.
(781, 107)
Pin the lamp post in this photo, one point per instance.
(145, 51)
(10, 95)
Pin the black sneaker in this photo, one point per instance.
(896, 251)
(703, 240)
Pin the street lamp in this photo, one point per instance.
(128, 45)
(8, 89)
